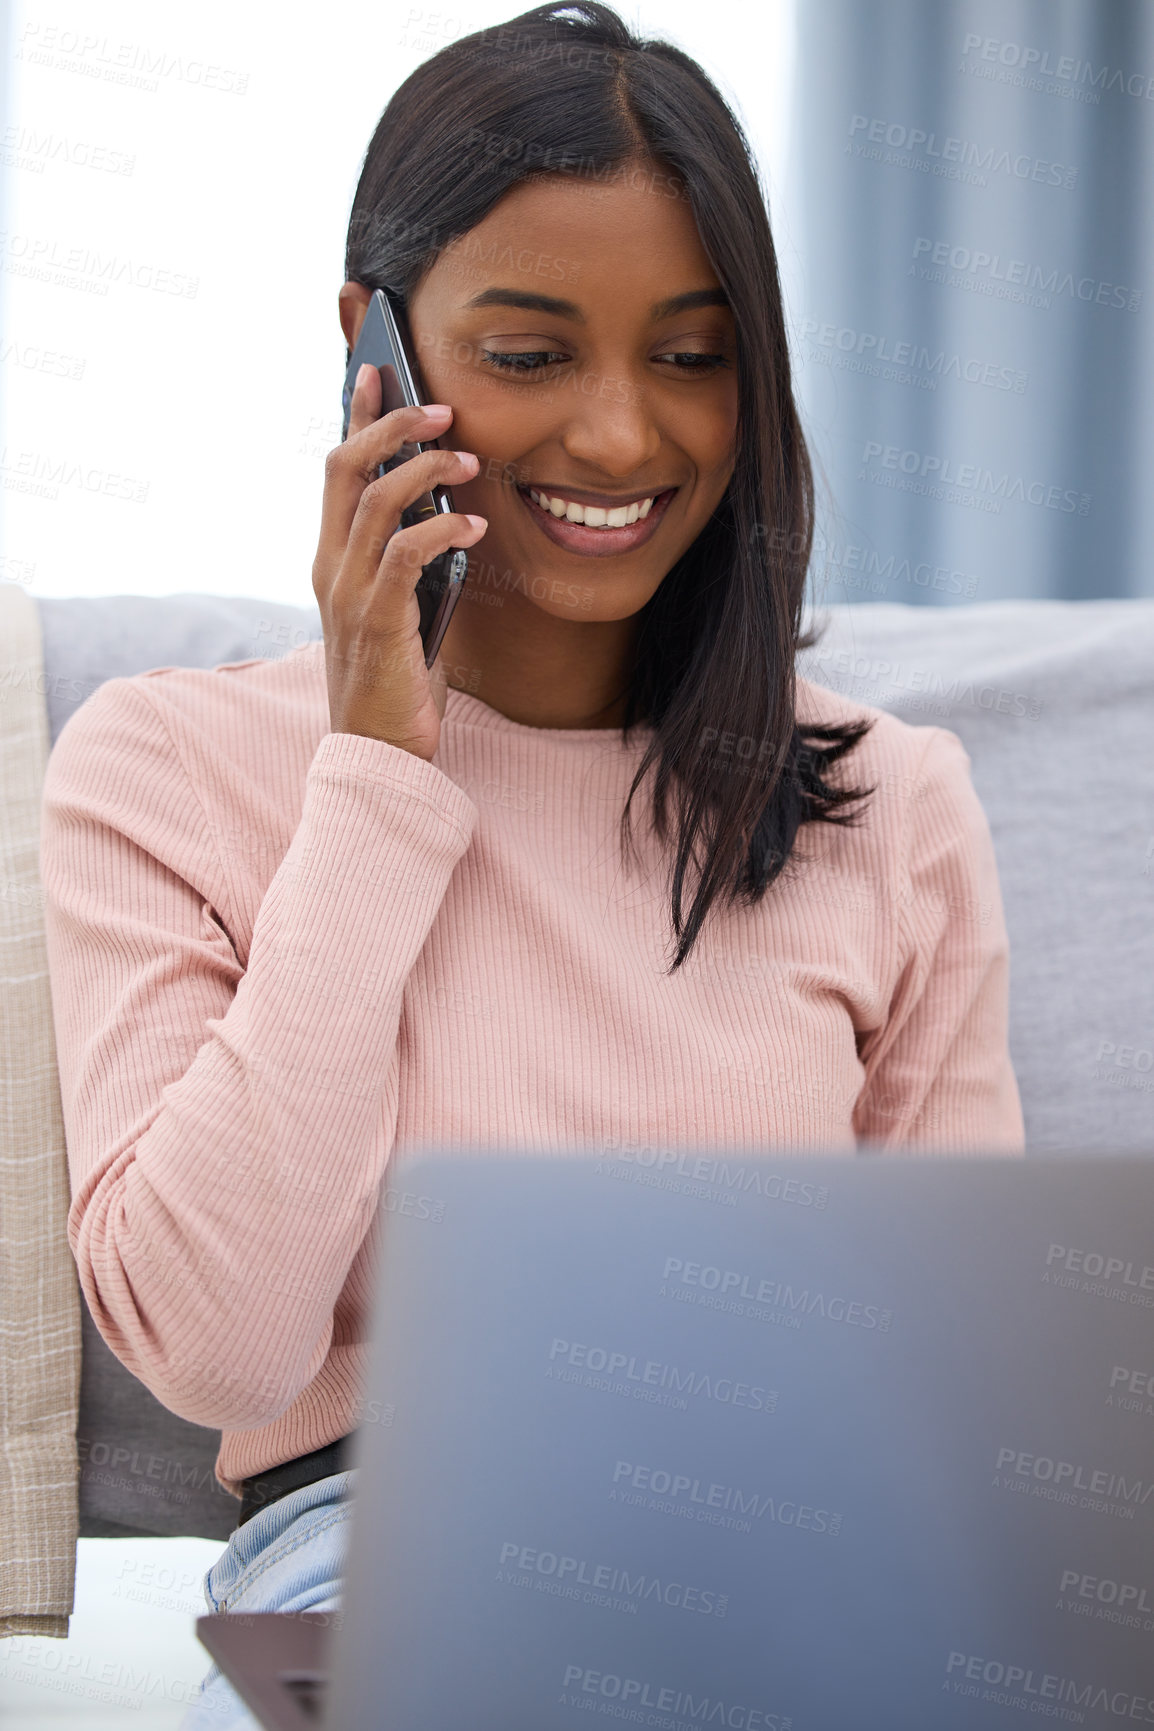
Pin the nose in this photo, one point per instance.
(610, 427)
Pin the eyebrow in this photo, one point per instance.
(521, 298)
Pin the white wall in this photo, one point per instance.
(175, 203)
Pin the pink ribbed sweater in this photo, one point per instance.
(277, 953)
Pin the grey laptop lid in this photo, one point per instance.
(760, 1443)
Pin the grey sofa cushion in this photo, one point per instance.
(90, 639)
(143, 1470)
(1053, 700)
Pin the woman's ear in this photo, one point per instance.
(353, 301)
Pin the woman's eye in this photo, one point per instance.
(523, 363)
(534, 360)
(691, 362)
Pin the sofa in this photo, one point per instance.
(1054, 703)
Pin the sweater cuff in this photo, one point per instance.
(351, 758)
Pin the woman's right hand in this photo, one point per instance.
(366, 570)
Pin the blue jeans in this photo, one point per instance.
(289, 1557)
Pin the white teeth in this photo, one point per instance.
(592, 516)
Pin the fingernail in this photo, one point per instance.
(361, 371)
(477, 522)
(437, 411)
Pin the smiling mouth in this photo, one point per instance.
(596, 529)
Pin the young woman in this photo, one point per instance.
(589, 882)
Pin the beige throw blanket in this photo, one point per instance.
(39, 1294)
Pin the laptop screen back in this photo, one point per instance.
(807, 1443)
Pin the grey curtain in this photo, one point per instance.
(971, 200)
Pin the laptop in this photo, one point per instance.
(707, 1439)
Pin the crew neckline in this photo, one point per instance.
(462, 708)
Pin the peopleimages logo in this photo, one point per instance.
(1019, 273)
(1042, 1475)
(413, 1206)
(1020, 1686)
(1035, 63)
(1098, 1265)
(969, 479)
(906, 360)
(950, 156)
(525, 1560)
(1117, 1601)
(751, 1180)
(663, 1384)
(1100, 1274)
(732, 1287)
(717, 1505)
(587, 1688)
(1131, 1390)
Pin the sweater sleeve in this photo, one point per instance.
(223, 1124)
(938, 1071)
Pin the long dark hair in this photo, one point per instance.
(568, 89)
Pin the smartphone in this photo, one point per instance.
(384, 343)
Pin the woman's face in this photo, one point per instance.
(624, 387)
